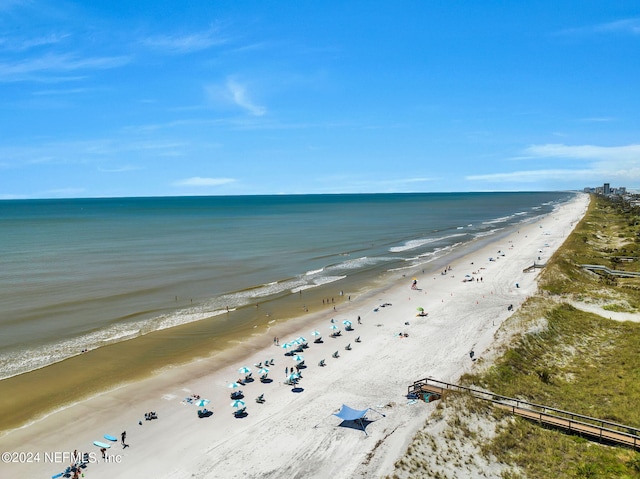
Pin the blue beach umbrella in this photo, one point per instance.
(237, 403)
(244, 370)
(333, 326)
(202, 402)
(316, 333)
(293, 376)
(263, 371)
(298, 357)
(286, 345)
(346, 322)
(302, 339)
(234, 385)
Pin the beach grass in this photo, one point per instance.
(561, 357)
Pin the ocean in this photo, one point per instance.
(155, 281)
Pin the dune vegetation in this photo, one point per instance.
(564, 351)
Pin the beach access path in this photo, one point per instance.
(294, 434)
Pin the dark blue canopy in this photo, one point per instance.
(348, 414)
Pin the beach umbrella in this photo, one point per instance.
(202, 402)
(346, 322)
(237, 403)
(333, 320)
(296, 341)
(244, 370)
(298, 357)
(316, 333)
(233, 385)
(420, 309)
(286, 345)
(302, 339)
(293, 376)
(263, 371)
(333, 326)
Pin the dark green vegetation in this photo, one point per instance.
(573, 360)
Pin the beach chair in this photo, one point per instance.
(358, 339)
(349, 328)
(321, 363)
(260, 399)
(237, 395)
(318, 340)
(240, 412)
(204, 413)
(258, 365)
(348, 347)
(336, 354)
(301, 365)
(272, 361)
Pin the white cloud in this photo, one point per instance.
(235, 93)
(25, 69)
(626, 26)
(241, 98)
(121, 169)
(200, 181)
(532, 176)
(596, 164)
(185, 43)
(587, 152)
(597, 119)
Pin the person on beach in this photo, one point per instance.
(123, 436)
(103, 450)
(359, 322)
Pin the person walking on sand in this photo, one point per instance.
(123, 436)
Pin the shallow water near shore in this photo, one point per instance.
(146, 285)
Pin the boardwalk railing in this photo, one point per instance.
(535, 265)
(612, 272)
(599, 428)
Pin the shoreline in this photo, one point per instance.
(375, 373)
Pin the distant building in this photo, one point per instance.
(606, 190)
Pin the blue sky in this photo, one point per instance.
(151, 98)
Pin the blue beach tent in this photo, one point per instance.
(355, 415)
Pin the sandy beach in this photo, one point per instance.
(293, 433)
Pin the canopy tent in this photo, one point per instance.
(356, 415)
(348, 414)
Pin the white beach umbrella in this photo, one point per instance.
(263, 371)
(233, 385)
(244, 370)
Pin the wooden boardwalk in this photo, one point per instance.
(593, 428)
